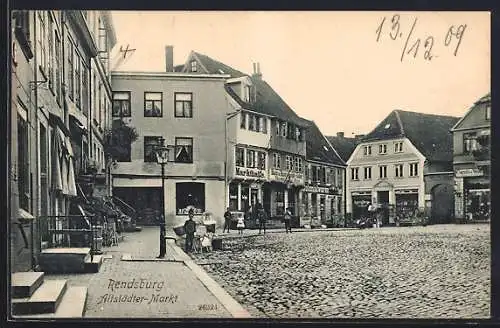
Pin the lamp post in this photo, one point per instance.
(162, 158)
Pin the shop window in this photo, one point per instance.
(243, 120)
(121, 104)
(240, 157)
(414, 169)
(153, 104)
(382, 171)
(276, 161)
(183, 104)
(355, 173)
(150, 144)
(190, 195)
(280, 203)
(368, 173)
(184, 150)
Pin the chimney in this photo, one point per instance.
(256, 71)
(340, 134)
(169, 58)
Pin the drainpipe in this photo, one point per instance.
(35, 77)
(226, 160)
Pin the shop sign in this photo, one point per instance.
(284, 176)
(463, 173)
(247, 172)
(185, 211)
(361, 193)
(406, 191)
(319, 190)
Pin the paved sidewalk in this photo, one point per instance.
(145, 287)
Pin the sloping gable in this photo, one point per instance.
(344, 146)
(429, 133)
(267, 101)
(318, 148)
(485, 99)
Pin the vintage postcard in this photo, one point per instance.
(249, 164)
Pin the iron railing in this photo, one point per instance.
(61, 231)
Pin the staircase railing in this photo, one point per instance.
(125, 208)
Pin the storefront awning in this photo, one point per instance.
(75, 112)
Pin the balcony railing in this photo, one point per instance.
(69, 231)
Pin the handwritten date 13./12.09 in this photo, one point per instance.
(395, 30)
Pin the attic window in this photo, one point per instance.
(194, 67)
(325, 148)
(387, 126)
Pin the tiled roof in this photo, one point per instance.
(428, 132)
(484, 99)
(267, 100)
(318, 148)
(344, 146)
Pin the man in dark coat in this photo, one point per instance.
(190, 229)
(227, 220)
(163, 242)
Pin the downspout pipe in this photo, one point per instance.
(226, 160)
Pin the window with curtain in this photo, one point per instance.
(183, 104)
(153, 104)
(150, 144)
(121, 104)
(184, 150)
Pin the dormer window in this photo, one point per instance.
(246, 93)
(194, 67)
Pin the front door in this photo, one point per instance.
(253, 196)
(383, 206)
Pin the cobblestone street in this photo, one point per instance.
(438, 271)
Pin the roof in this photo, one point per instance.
(428, 132)
(344, 146)
(267, 100)
(484, 99)
(318, 148)
(178, 68)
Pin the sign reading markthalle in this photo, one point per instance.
(295, 178)
(250, 173)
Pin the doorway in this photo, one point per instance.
(383, 206)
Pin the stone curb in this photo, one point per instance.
(231, 305)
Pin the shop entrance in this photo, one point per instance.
(360, 206)
(406, 205)
(383, 206)
(442, 203)
(254, 196)
(146, 201)
(478, 204)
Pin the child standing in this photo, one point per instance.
(240, 225)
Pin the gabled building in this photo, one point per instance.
(471, 162)
(344, 145)
(324, 180)
(266, 140)
(404, 165)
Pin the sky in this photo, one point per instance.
(338, 69)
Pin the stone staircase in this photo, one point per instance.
(35, 297)
(69, 260)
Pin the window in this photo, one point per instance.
(85, 88)
(184, 150)
(194, 68)
(246, 93)
(283, 129)
(291, 132)
(121, 104)
(240, 157)
(51, 62)
(382, 149)
(58, 67)
(398, 147)
(243, 120)
(150, 144)
(382, 171)
(355, 173)
(262, 161)
(298, 164)
(153, 104)
(257, 123)
(367, 150)
(470, 142)
(488, 112)
(183, 104)
(70, 70)
(264, 125)
(398, 170)
(289, 164)
(189, 195)
(302, 135)
(414, 169)
(99, 107)
(77, 80)
(276, 161)
(42, 50)
(368, 173)
(22, 30)
(44, 183)
(278, 128)
(23, 163)
(251, 122)
(251, 158)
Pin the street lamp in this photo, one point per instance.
(162, 158)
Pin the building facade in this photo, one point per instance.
(403, 167)
(188, 112)
(266, 144)
(323, 199)
(51, 106)
(471, 162)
